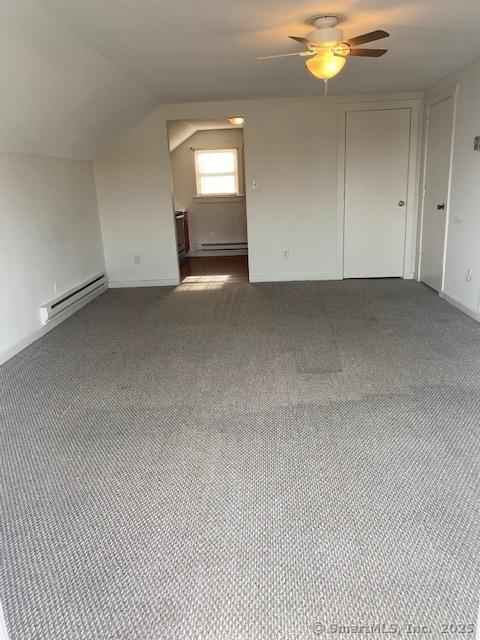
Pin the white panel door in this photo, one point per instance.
(377, 148)
(437, 173)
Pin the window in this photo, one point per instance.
(217, 172)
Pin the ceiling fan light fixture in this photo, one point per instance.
(325, 64)
(236, 121)
(328, 49)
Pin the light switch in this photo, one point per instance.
(476, 143)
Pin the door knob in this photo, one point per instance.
(441, 207)
(401, 203)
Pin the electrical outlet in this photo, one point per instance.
(468, 275)
(285, 254)
(137, 259)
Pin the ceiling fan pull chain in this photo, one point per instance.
(326, 86)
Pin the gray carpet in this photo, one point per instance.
(243, 462)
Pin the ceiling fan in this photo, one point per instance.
(328, 51)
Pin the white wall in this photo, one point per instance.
(213, 219)
(50, 236)
(291, 153)
(290, 150)
(463, 233)
(134, 197)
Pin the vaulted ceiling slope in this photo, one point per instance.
(59, 97)
(181, 130)
(189, 50)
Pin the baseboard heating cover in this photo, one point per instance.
(207, 247)
(77, 296)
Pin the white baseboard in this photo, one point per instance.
(292, 277)
(468, 309)
(162, 282)
(54, 322)
(3, 625)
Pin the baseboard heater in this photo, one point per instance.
(73, 298)
(205, 247)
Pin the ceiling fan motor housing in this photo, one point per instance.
(326, 30)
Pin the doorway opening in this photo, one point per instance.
(208, 193)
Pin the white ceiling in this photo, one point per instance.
(188, 50)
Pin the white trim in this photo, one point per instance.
(414, 172)
(412, 180)
(341, 160)
(432, 99)
(3, 625)
(292, 277)
(379, 105)
(228, 197)
(158, 282)
(54, 322)
(469, 309)
(477, 635)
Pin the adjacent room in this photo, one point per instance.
(239, 320)
(208, 189)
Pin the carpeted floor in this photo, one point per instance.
(238, 461)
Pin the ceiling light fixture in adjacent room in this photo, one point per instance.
(236, 121)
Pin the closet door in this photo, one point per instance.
(376, 178)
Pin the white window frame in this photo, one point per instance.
(199, 174)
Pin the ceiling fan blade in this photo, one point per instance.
(367, 37)
(299, 39)
(286, 55)
(368, 53)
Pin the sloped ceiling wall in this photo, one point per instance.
(59, 97)
(181, 130)
(178, 132)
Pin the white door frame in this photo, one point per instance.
(432, 99)
(415, 107)
(3, 625)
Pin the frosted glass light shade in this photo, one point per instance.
(325, 65)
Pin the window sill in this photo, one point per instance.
(238, 197)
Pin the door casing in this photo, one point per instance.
(431, 100)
